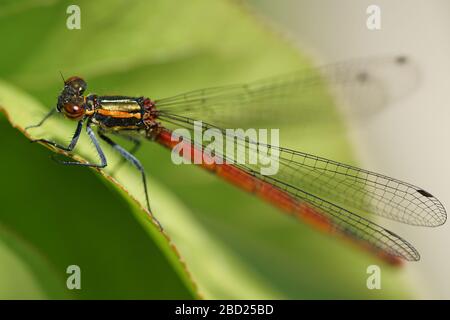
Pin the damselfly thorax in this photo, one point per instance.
(117, 113)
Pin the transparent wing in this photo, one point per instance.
(365, 85)
(343, 194)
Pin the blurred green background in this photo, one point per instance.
(223, 243)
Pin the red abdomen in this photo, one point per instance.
(281, 199)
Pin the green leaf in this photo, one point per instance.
(231, 244)
(25, 272)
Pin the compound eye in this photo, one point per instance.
(73, 111)
(77, 84)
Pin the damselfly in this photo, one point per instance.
(331, 195)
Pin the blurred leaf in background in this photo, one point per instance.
(224, 243)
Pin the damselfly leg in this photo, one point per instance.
(72, 144)
(128, 156)
(40, 123)
(136, 145)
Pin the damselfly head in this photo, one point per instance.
(71, 101)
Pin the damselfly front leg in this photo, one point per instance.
(72, 144)
(40, 123)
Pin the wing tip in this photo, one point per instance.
(440, 214)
